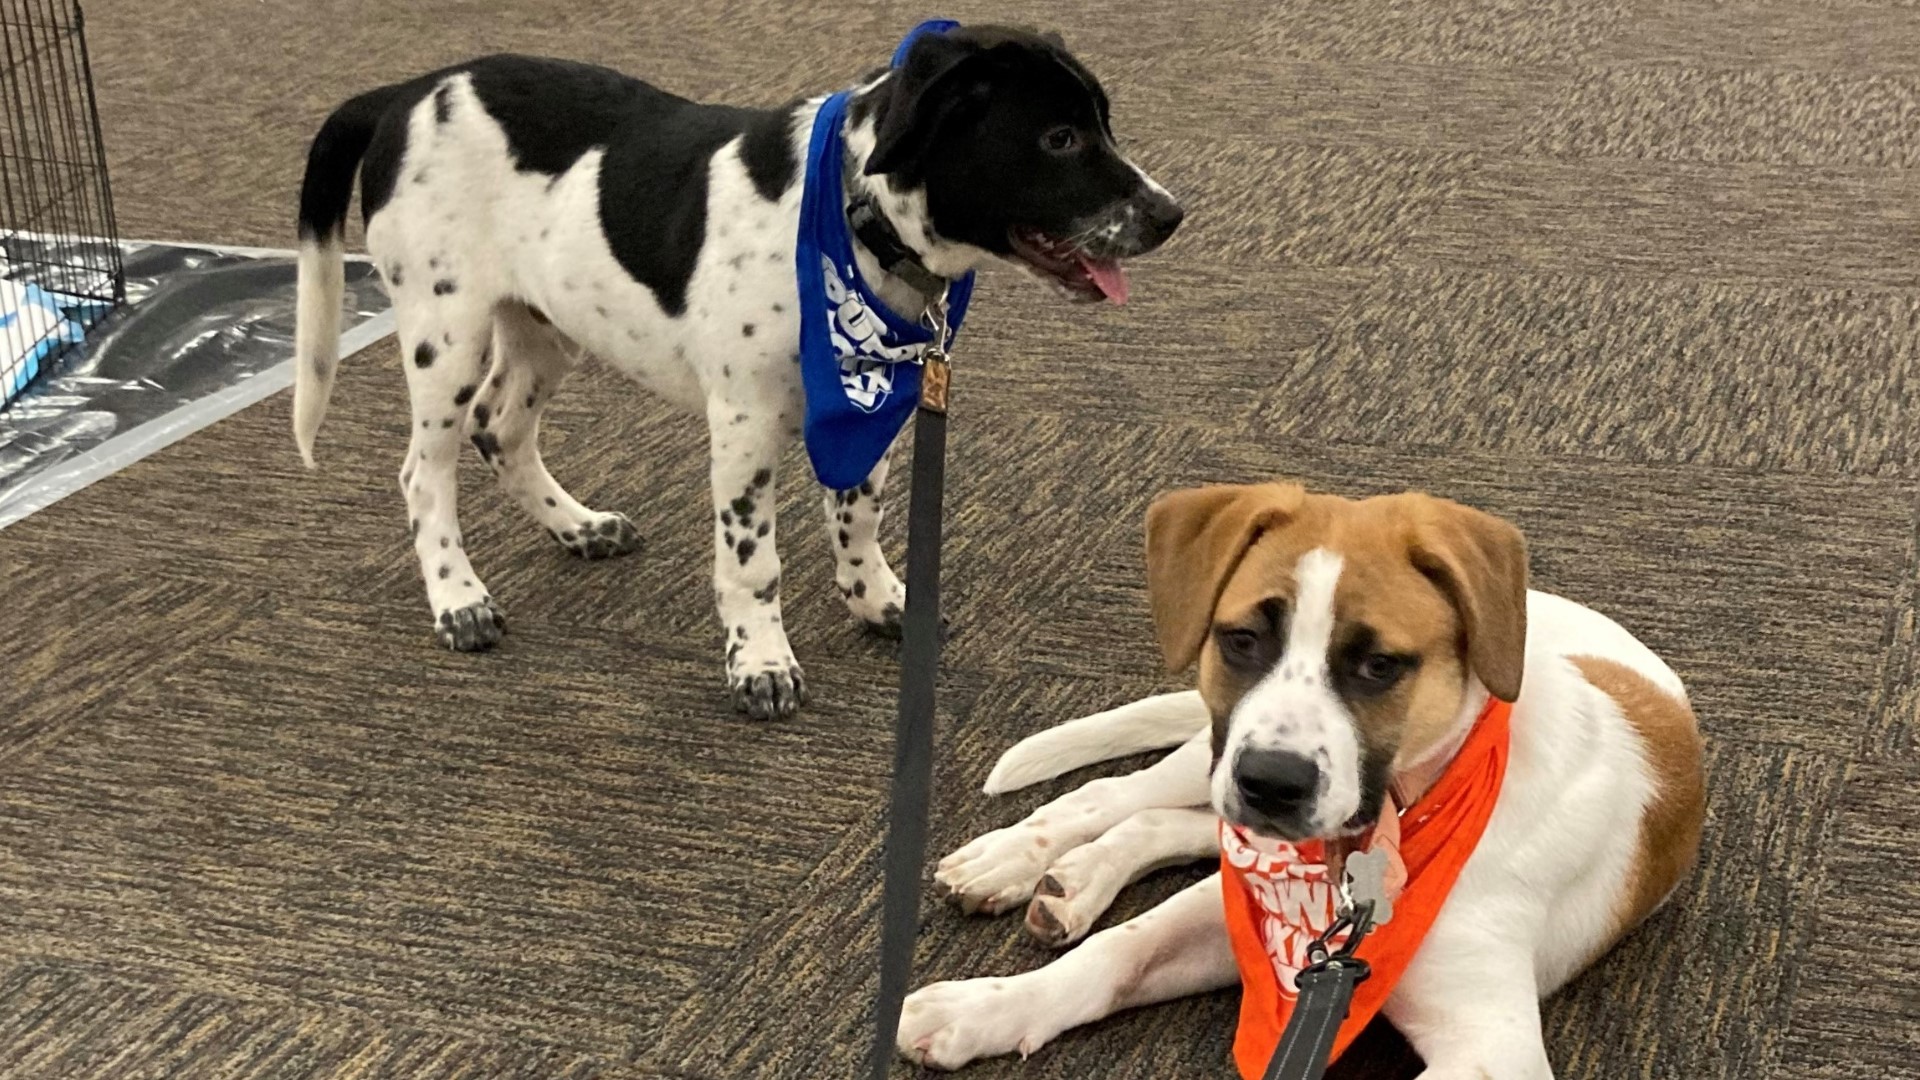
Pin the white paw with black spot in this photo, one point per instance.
(996, 872)
(473, 628)
(769, 689)
(948, 1024)
(601, 537)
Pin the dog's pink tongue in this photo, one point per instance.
(1108, 276)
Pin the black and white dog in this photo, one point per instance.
(526, 212)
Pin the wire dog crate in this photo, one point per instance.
(60, 259)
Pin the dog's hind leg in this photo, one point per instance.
(530, 359)
(1081, 886)
(873, 593)
(444, 339)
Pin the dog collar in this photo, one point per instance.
(878, 236)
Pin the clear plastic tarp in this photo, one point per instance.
(205, 332)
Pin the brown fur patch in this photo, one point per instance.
(1670, 832)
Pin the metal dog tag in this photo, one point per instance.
(1366, 880)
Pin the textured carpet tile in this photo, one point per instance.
(1268, 203)
(1441, 32)
(535, 844)
(74, 640)
(1869, 37)
(61, 1024)
(1894, 730)
(1616, 366)
(1856, 984)
(1784, 117)
(1639, 275)
(1836, 225)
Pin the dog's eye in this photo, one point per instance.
(1380, 670)
(1061, 140)
(1238, 646)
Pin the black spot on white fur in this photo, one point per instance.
(488, 444)
(443, 104)
(423, 354)
(466, 394)
(443, 287)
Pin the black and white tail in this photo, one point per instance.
(325, 195)
(1153, 723)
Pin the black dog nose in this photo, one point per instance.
(1161, 214)
(1275, 783)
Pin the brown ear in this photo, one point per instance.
(1480, 562)
(1195, 539)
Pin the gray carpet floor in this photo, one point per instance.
(1642, 276)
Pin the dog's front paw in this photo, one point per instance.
(949, 1024)
(997, 872)
(473, 628)
(768, 695)
(602, 536)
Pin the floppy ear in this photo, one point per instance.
(921, 94)
(1195, 540)
(1480, 563)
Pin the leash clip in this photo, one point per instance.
(1358, 922)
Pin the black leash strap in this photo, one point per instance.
(1307, 1044)
(913, 728)
(1326, 990)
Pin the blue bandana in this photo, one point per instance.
(859, 361)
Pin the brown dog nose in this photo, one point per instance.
(1276, 783)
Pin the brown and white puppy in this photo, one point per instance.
(1343, 646)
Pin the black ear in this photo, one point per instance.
(923, 93)
(1092, 85)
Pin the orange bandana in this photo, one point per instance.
(1281, 896)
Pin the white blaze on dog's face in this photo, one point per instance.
(1338, 640)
